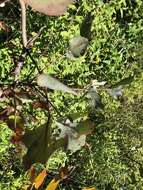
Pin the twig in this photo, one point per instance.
(23, 20)
(43, 95)
(47, 129)
(24, 39)
(20, 64)
(33, 60)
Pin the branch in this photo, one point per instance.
(23, 11)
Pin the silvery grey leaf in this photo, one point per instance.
(74, 142)
(66, 130)
(115, 92)
(78, 46)
(95, 83)
(70, 56)
(45, 80)
(94, 98)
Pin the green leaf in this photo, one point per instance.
(40, 145)
(85, 28)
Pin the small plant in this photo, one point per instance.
(73, 81)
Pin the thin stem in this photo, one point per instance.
(23, 18)
(33, 60)
(43, 95)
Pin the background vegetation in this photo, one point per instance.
(113, 158)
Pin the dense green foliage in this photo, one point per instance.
(114, 157)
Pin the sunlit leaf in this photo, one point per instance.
(48, 81)
(88, 188)
(53, 184)
(95, 83)
(25, 187)
(49, 7)
(2, 2)
(40, 179)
